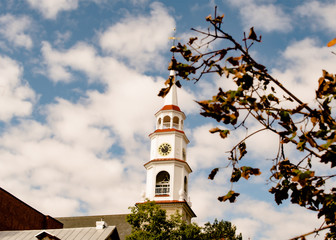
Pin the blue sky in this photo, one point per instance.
(78, 86)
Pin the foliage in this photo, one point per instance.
(150, 222)
(220, 230)
(260, 97)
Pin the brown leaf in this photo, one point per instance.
(214, 130)
(163, 92)
(235, 176)
(314, 120)
(213, 173)
(252, 34)
(247, 171)
(234, 60)
(172, 65)
(231, 196)
(192, 40)
(224, 133)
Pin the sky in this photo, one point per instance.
(78, 86)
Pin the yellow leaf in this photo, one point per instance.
(332, 43)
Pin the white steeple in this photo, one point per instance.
(168, 170)
(171, 97)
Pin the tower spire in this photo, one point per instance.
(171, 97)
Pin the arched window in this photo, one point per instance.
(181, 124)
(162, 186)
(166, 122)
(176, 122)
(185, 184)
(158, 124)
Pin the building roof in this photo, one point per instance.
(118, 220)
(18, 215)
(108, 233)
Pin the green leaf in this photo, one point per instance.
(284, 116)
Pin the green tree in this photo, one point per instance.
(150, 222)
(220, 230)
(259, 98)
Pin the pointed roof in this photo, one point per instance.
(171, 97)
(170, 100)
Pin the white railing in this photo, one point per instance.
(162, 189)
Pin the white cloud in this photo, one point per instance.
(67, 163)
(263, 16)
(17, 98)
(50, 9)
(254, 218)
(322, 15)
(139, 39)
(208, 150)
(15, 29)
(301, 66)
(81, 57)
(272, 222)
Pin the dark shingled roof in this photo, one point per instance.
(119, 220)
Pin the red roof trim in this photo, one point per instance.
(171, 107)
(165, 201)
(165, 159)
(168, 159)
(170, 201)
(168, 130)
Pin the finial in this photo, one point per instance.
(173, 38)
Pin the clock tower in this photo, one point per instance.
(168, 170)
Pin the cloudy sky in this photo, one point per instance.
(78, 88)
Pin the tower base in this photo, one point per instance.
(182, 207)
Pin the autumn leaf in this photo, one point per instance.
(178, 84)
(231, 196)
(242, 150)
(192, 40)
(253, 35)
(247, 171)
(235, 176)
(208, 18)
(234, 60)
(213, 174)
(163, 92)
(214, 130)
(224, 133)
(332, 43)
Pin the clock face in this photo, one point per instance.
(165, 149)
